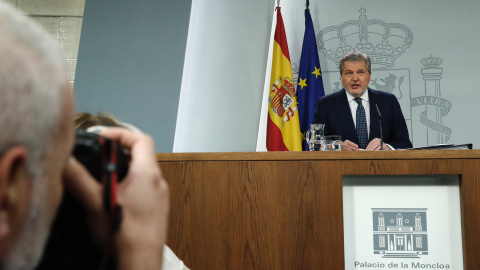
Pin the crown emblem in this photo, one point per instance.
(431, 62)
(382, 42)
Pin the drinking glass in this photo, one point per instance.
(334, 142)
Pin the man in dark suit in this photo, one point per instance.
(352, 111)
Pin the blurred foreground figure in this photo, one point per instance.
(95, 122)
(36, 116)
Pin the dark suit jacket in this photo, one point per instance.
(333, 111)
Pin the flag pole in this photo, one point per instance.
(307, 4)
(278, 3)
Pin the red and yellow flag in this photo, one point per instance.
(283, 128)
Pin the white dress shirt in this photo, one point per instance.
(366, 105)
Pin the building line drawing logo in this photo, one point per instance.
(400, 232)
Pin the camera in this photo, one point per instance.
(70, 245)
(101, 156)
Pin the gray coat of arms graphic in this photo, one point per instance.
(384, 43)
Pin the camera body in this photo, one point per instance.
(70, 245)
(101, 156)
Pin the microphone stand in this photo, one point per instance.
(380, 124)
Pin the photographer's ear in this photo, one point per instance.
(13, 185)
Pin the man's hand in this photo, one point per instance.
(83, 187)
(350, 146)
(143, 196)
(375, 145)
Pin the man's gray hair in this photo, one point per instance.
(32, 76)
(355, 57)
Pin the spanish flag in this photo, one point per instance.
(283, 128)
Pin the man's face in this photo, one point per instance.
(355, 77)
(45, 197)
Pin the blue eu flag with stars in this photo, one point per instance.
(310, 82)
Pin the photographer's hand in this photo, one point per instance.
(143, 195)
(89, 192)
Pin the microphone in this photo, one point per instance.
(380, 124)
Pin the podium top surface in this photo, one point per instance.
(326, 155)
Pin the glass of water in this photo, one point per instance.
(319, 144)
(334, 142)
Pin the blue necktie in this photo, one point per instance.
(362, 132)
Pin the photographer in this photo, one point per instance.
(93, 122)
(36, 116)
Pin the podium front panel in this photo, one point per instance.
(402, 222)
(285, 210)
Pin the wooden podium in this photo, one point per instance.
(283, 210)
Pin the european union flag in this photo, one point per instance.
(310, 82)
